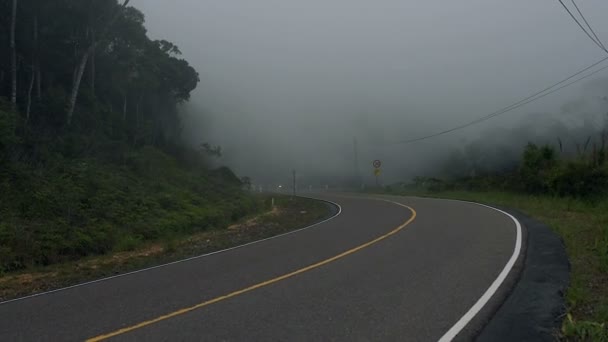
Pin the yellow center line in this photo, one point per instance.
(256, 286)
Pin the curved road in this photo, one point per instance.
(380, 270)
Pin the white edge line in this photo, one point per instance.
(184, 260)
(485, 298)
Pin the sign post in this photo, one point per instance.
(377, 171)
(294, 183)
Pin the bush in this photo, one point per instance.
(540, 172)
(128, 243)
(537, 164)
(584, 330)
(78, 207)
(578, 179)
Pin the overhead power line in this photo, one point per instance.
(599, 44)
(531, 98)
(538, 95)
(588, 25)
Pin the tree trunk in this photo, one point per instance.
(136, 129)
(33, 72)
(29, 95)
(92, 68)
(37, 60)
(13, 57)
(76, 85)
(74, 73)
(124, 106)
(82, 65)
(38, 81)
(137, 113)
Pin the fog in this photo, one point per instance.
(289, 84)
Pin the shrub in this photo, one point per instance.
(537, 164)
(584, 330)
(128, 243)
(578, 179)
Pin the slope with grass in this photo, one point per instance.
(73, 208)
(287, 214)
(92, 157)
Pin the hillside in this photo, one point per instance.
(91, 155)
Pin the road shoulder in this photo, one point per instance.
(534, 307)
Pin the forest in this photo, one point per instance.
(91, 154)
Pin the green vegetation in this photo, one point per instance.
(80, 207)
(569, 195)
(542, 171)
(91, 158)
(288, 214)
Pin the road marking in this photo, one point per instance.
(187, 259)
(259, 285)
(485, 298)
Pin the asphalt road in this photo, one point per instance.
(378, 271)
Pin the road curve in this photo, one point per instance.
(380, 270)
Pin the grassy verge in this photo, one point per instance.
(288, 214)
(584, 228)
(75, 208)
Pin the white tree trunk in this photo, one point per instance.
(33, 72)
(83, 65)
(29, 95)
(13, 56)
(37, 60)
(76, 85)
(38, 81)
(93, 64)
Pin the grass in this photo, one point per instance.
(68, 209)
(583, 226)
(288, 214)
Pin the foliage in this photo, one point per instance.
(537, 163)
(540, 171)
(288, 214)
(569, 194)
(212, 151)
(131, 86)
(115, 174)
(81, 207)
(584, 330)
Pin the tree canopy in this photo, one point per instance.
(88, 66)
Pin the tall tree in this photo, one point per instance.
(29, 93)
(144, 79)
(37, 59)
(92, 68)
(33, 67)
(83, 63)
(13, 48)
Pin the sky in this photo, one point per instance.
(290, 84)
